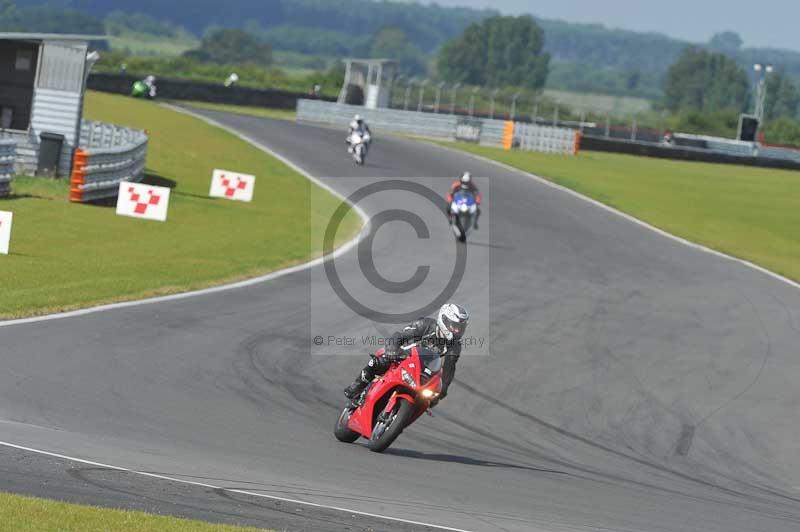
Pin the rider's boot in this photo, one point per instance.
(354, 390)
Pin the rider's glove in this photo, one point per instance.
(394, 356)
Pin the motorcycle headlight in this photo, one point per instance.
(408, 379)
(429, 394)
(464, 208)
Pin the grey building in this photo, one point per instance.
(42, 85)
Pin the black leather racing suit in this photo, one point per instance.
(423, 331)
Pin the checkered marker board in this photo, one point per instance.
(143, 201)
(231, 185)
(5, 231)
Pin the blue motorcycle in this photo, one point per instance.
(463, 210)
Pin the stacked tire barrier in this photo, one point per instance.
(7, 156)
(534, 137)
(484, 131)
(107, 155)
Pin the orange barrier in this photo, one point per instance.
(508, 135)
(78, 175)
(578, 137)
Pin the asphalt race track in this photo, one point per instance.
(633, 383)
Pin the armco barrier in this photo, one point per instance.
(683, 153)
(386, 120)
(107, 155)
(7, 155)
(488, 132)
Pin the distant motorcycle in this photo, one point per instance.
(358, 146)
(394, 401)
(145, 88)
(463, 210)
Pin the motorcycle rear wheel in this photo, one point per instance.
(341, 431)
(397, 422)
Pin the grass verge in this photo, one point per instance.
(66, 256)
(31, 514)
(262, 112)
(750, 213)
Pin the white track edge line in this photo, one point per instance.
(220, 488)
(626, 216)
(344, 248)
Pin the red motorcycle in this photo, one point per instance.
(394, 401)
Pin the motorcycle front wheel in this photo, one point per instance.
(342, 431)
(387, 430)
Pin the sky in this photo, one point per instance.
(763, 23)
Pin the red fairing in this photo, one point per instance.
(387, 390)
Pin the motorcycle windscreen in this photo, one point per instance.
(430, 359)
(463, 198)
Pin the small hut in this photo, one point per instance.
(42, 86)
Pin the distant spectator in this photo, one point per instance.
(232, 80)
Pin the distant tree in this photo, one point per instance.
(704, 81)
(392, 43)
(119, 22)
(500, 51)
(232, 46)
(47, 19)
(783, 97)
(632, 80)
(784, 130)
(727, 41)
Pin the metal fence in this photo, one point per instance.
(488, 132)
(7, 155)
(107, 155)
(387, 120)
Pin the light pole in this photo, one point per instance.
(491, 106)
(761, 89)
(472, 100)
(395, 81)
(453, 94)
(439, 88)
(422, 93)
(408, 92)
(514, 105)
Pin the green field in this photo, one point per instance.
(142, 44)
(750, 213)
(599, 103)
(66, 256)
(262, 112)
(28, 514)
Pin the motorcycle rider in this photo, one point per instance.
(442, 334)
(466, 184)
(360, 127)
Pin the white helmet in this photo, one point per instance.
(357, 118)
(452, 320)
(466, 178)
